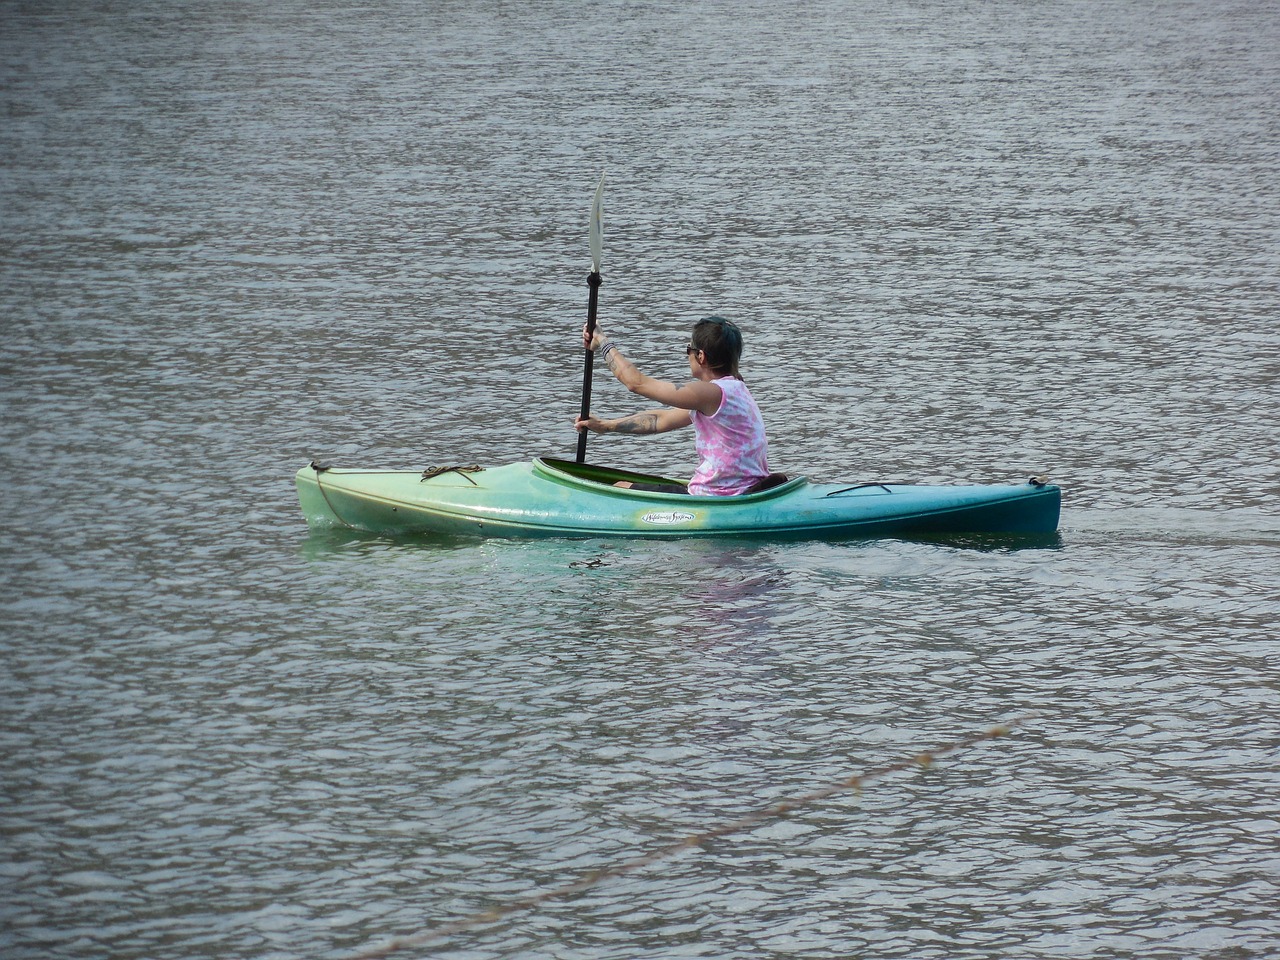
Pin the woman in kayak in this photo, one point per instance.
(729, 432)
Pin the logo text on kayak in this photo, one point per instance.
(667, 517)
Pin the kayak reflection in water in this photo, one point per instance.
(729, 432)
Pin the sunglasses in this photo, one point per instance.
(690, 350)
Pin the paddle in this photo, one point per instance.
(596, 237)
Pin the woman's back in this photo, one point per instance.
(731, 443)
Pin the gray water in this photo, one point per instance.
(966, 242)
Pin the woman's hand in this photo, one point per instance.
(592, 341)
(594, 424)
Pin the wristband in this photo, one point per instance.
(605, 348)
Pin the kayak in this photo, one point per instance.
(547, 497)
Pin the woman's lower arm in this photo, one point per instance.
(652, 421)
(623, 369)
(637, 423)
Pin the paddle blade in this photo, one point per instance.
(597, 226)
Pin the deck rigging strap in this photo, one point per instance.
(859, 486)
(461, 471)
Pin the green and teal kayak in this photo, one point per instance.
(557, 498)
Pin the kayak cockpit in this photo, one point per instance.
(594, 476)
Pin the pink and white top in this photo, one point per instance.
(732, 449)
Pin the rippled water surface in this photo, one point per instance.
(966, 242)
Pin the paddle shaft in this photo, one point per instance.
(588, 364)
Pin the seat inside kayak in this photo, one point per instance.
(608, 476)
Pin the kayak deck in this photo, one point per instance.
(555, 498)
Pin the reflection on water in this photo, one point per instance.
(342, 542)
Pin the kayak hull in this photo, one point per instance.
(555, 498)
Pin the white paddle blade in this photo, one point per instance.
(597, 226)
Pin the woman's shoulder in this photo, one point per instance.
(733, 385)
(708, 396)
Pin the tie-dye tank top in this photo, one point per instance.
(732, 449)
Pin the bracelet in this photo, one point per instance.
(605, 348)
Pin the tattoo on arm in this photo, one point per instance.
(613, 360)
(638, 423)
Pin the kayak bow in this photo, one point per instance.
(557, 498)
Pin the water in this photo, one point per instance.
(967, 242)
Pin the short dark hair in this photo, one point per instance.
(721, 341)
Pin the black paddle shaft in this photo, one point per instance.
(593, 283)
